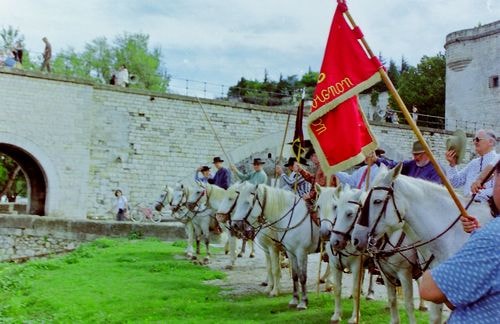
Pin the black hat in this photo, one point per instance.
(307, 143)
(379, 152)
(205, 168)
(310, 153)
(292, 160)
(217, 159)
(258, 161)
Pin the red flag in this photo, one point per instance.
(337, 126)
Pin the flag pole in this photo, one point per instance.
(281, 150)
(213, 130)
(413, 125)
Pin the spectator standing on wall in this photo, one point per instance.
(414, 113)
(122, 76)
(121, 206)
(47, 55)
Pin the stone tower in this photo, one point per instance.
(472, 78)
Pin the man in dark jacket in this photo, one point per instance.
(222, 177)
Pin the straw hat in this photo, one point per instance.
(458, 143)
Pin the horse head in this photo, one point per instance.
(227, 205)
(196, 197)
(380, 214)
(326, 206)
(248, 210)
(348, 210)
(179, 196)
(165, 198)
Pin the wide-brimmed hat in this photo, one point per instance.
(307, 143)
(217, 159)
(417, 148)
(379, 151)
(258, 161)
(205, 168)
(292, 160)
(458, 143)
(310, 153)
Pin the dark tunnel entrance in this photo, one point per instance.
(35, 177)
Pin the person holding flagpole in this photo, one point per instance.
(318, 177)
(293, 181)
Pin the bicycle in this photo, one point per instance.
(141, 212)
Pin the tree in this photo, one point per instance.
(10, 36)
(424, 85)
(100, 59)
(12, 179)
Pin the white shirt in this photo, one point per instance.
(122, 77)
(355, 178)
(121, 202)
(469, 174)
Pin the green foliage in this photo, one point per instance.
(271, 93)
(100, 59)
(12, 180)
(9, 37)
(152, 286)
(424, 85)
(135, 235)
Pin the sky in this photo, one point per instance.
(220, 41)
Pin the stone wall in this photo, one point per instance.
(91, 139)
(472, 60)
(26, 236)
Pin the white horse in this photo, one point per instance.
(184, 215)
(424, 211)
(396, 269)
(343, 259)
(212, 197)
(285, 218)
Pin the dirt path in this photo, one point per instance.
(248, 274)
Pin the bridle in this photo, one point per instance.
(347, 234)
(260, 219)
(365, 213)
(191, 206)
(182, 201)
(161, 203)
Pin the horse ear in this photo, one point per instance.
(337, 190)
(397, 170)
(318, 188)
(358, 194)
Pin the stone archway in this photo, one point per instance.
(35, 177)
(39, 170)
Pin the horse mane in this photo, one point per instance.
(277, 200)
(216, 192)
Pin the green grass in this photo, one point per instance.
(130, 281)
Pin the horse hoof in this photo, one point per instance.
(206, 260)
(226, 252)
(240, 255)
(273, 294)
(335, 321)
(352, 321)
(189, 255)
(292, 305)
(370, 297)
(302, 306)
(423, 308)
(322, 281)
(229, 267)
(263, 284)
(194, 257)
(252, 255)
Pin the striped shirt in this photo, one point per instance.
(466, 176)
(288, 182)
